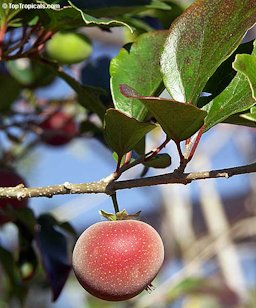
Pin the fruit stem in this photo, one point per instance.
(115, 203)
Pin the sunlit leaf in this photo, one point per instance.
(246, 64)
(200, 40)
(139, 68)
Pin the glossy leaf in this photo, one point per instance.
(52, 246)
(246, 64)
(237, 97)
(122, 132)
(200, 40)
(139, 68)
(178, 120)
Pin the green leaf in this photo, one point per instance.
(160, 161)
(179, 120)
(122, 132)
(237, 97)
(246, 64)
(200, 40)
(71, 17)
(138, 67)
(52, 246)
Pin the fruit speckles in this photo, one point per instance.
(117, 260)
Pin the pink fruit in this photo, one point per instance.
(117, 260)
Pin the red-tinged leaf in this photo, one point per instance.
(200, 40)
(179, 120)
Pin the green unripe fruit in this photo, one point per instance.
(30, 73)
(68, 47)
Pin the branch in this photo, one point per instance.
(177, 177)
(20, 192)
(109, 185)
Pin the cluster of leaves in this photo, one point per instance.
(25, 68)
(201, 53)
